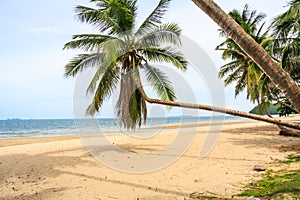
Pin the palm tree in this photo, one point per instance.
(287, 24)
(124, 52)
(286, 43)
(284, 47)
(279, 77)
(242, 69)
(217, 109)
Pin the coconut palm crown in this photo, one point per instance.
(242, 69)
(286, 43)
(121, 52)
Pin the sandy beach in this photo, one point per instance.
(62, 168)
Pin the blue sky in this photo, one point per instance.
(32, 60)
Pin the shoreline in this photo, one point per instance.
(61, 167)
(11, 141)
(71, 127)
(114, 130)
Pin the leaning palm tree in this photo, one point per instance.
(284, 47)
(122, 53)
(278, 76)
(241, 69)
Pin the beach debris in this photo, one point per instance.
(195, 195)
(253, 198)
(111, 197)
(259, 168)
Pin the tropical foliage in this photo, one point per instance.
(286, 34)
(267, 64)
(283, 45)
(121, 52)
(242, 69)
(284, 107)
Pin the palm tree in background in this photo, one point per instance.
(284, 47)
(281, 79)
(242, 70)
(286, 43)
(122, 53)
(245, 72)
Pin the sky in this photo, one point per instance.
(33, 32)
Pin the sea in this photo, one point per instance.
(17, 128)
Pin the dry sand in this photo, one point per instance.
(61, 168)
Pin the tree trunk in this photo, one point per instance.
(215, 109)
(284, 131)
(280, 78)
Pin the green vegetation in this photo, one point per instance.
(283, 184)
(208, 198)
(271, 109)
(276, 185)
(120, 52)
(284, 107)
(281, 42)
(242, 69)
(292, 159)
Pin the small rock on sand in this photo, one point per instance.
(259, 168)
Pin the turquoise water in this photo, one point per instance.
(61, 127)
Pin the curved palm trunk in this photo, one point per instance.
(215, 109)
(280, 78)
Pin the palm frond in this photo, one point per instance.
(234, 54)
(135, 109)
(100, 71)
(88, 42)
(106, 86)
(88, 15)
(234, 76)
(291, 50)
(81, 62)
(154, 19)
(288, 23)
(245, 13)
(129, 106)
(160, 82)
(168, 55)
(259, 34)
(290, 59)
(255, 19)
(114, 49)
(229, 67)
(164, 34)
(241, 82)
(110, 15)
